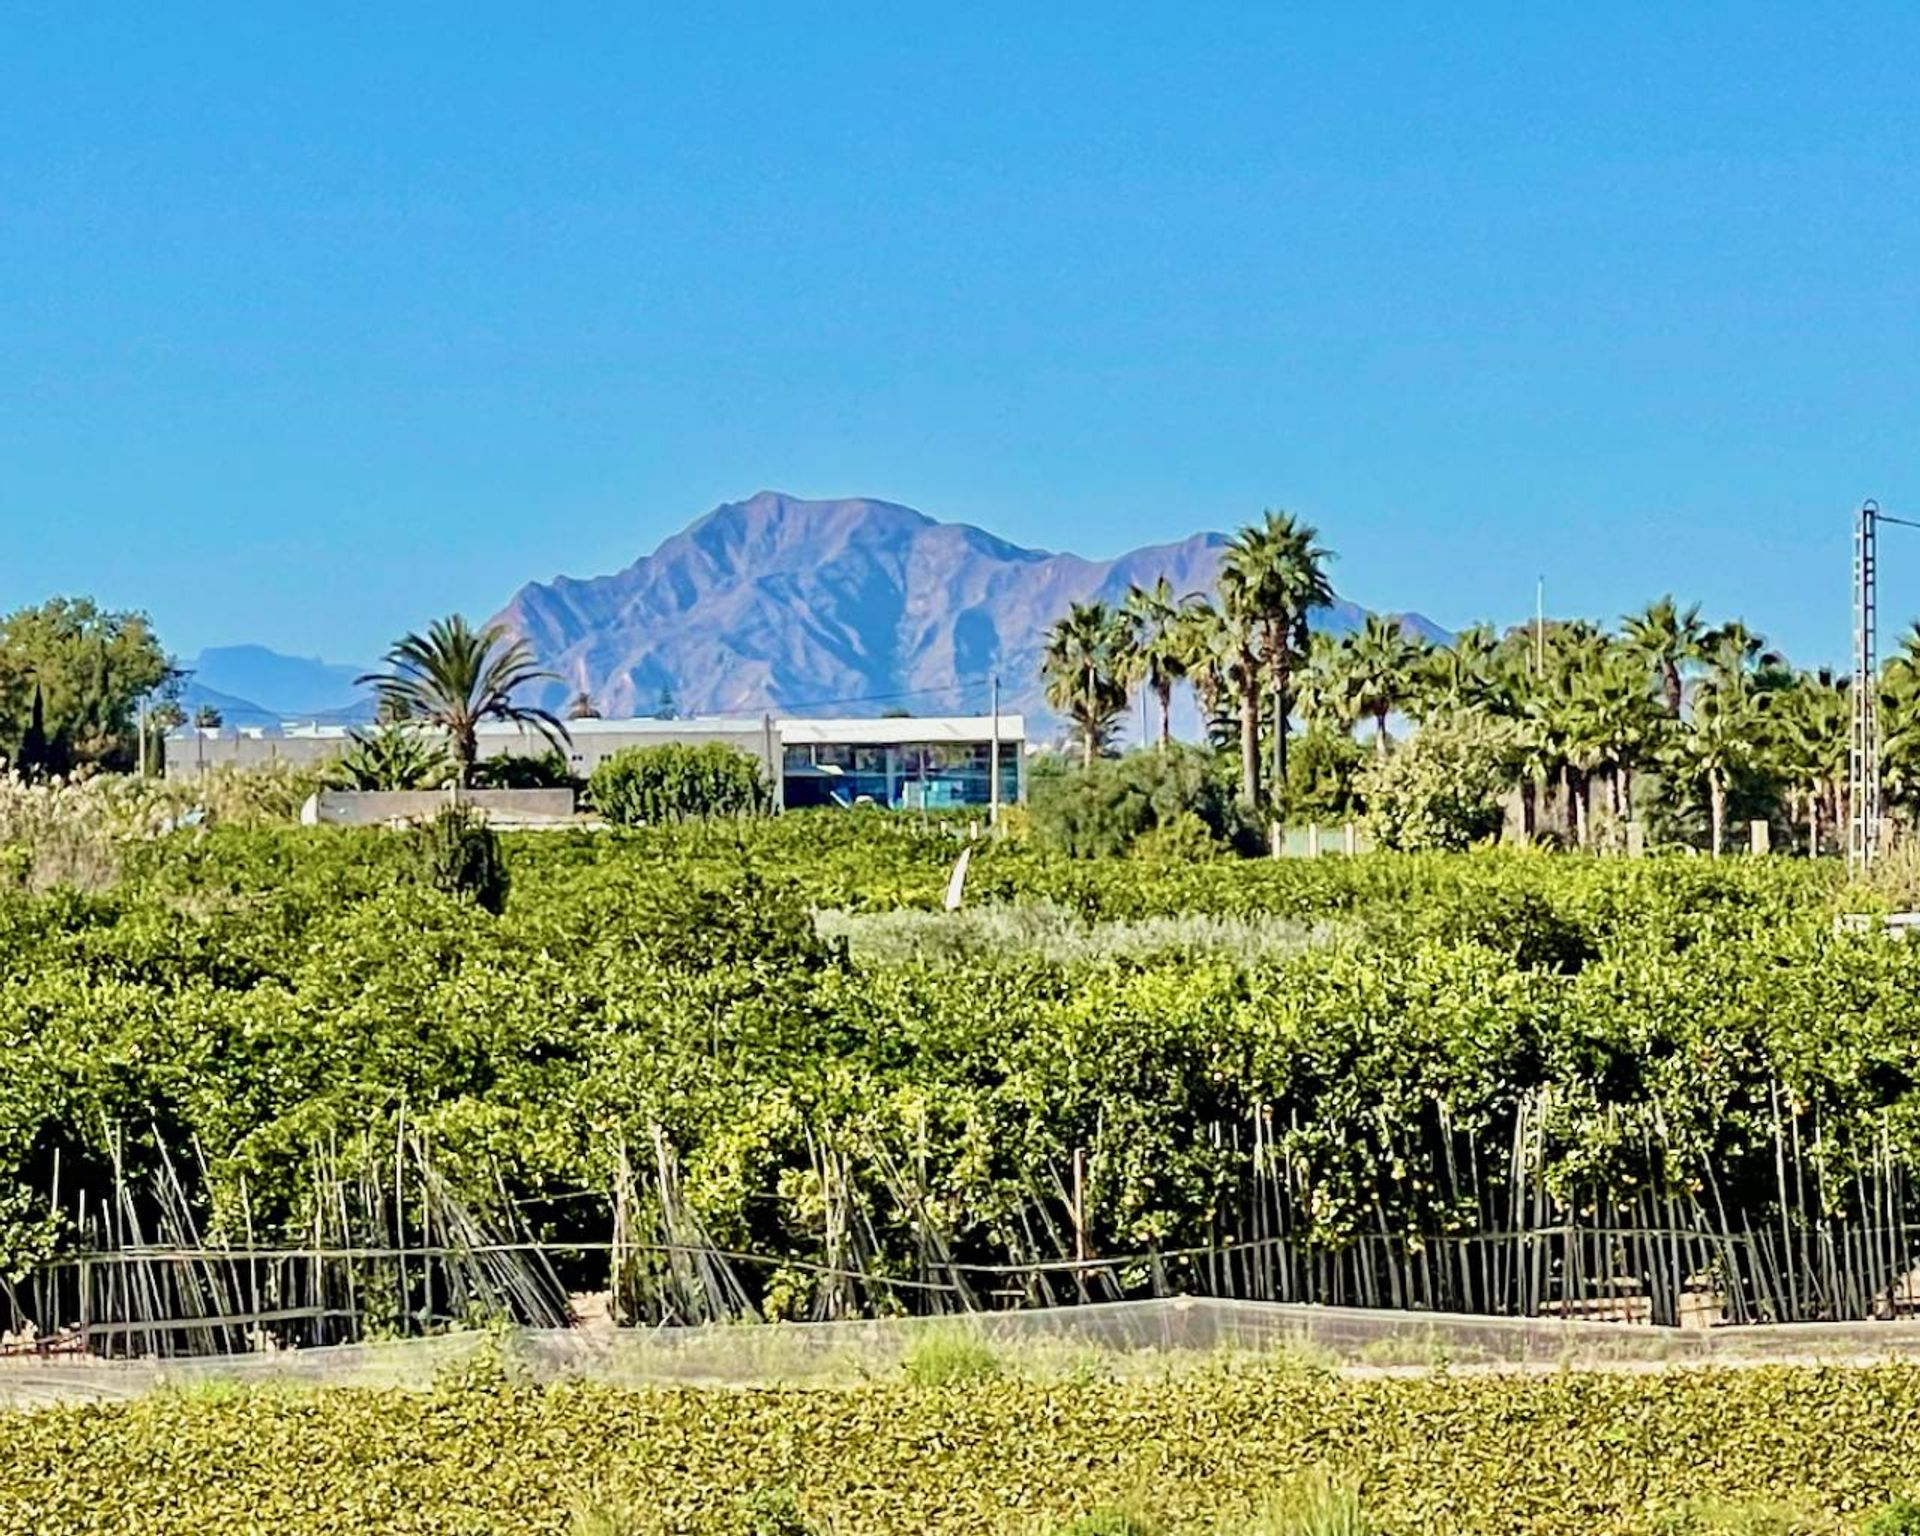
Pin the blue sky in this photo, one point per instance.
(317, 321)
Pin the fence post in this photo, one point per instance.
(1353, 839)
(1313, 840)
(1759, 837)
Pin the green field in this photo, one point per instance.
(1756, 1453)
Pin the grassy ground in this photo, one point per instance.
(972, 1450)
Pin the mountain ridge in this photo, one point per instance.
(779, 602)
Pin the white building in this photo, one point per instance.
(905, 761)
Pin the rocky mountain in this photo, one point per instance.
(853, 606)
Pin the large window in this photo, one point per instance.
(902, 775)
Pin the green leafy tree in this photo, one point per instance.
(207, 718)
(1444, 788)
(90, 668)
(1085, 666)
(645, 786)
(1103, 809)
(454, 676)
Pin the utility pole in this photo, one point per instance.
(993, 760)
(1863, 750)
(1540, 627)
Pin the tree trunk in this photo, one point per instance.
(1250, 741)
(1670, 678)
(1280, 750)
(1579, 790)
(1380, 730)
(1813, 822)
(1163, 691)
(1717, 809)
(466, 747)
(1529, 810)
(1090, 729)
(1626, 793)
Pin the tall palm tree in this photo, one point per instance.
(1383, 665)
(1811, 735)
(454, 676)
(1272, 578)
(1159, 652)
(1459, 677)
(1323, 687)
(1617, 721)
(1666, 638)
(1206, 656)
(1721, 737)
(1085, 669)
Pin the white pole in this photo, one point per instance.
(1540, 627)
(993, 760)
(140, 725)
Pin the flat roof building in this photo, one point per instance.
(900, 762)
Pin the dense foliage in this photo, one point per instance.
(1790, 1452)
(1106, 808)
(645, 786)
(71, 675)
(270, 1001)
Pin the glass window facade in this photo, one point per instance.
(903, 775)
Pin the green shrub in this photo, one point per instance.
(459, 854)
(645, 786)
(1899, 1518)
(1314, 1505)
(946, 1354)
(1443, 788)
(1112, 1522)
(1104, 810)
(513, 770)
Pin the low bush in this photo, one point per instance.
(1106, 809)
(1212, 1454)
(645, 786)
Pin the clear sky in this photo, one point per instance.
(317, 321)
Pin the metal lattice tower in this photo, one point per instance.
(1863, 755)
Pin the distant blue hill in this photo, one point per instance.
(252, 685)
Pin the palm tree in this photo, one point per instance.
(1206, 656)
(1720, 738)
(1459, 677)
(1811, 733)
(1323, 688)
(1383, 665)
(1272, 577)
(1159, 651)
(1666, 638)
(1617, 722)
(1085, 668)
(455, 676)
(1736, 655)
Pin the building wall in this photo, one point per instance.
(902, 763)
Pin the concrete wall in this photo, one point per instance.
(191, 753)
(375, 808)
